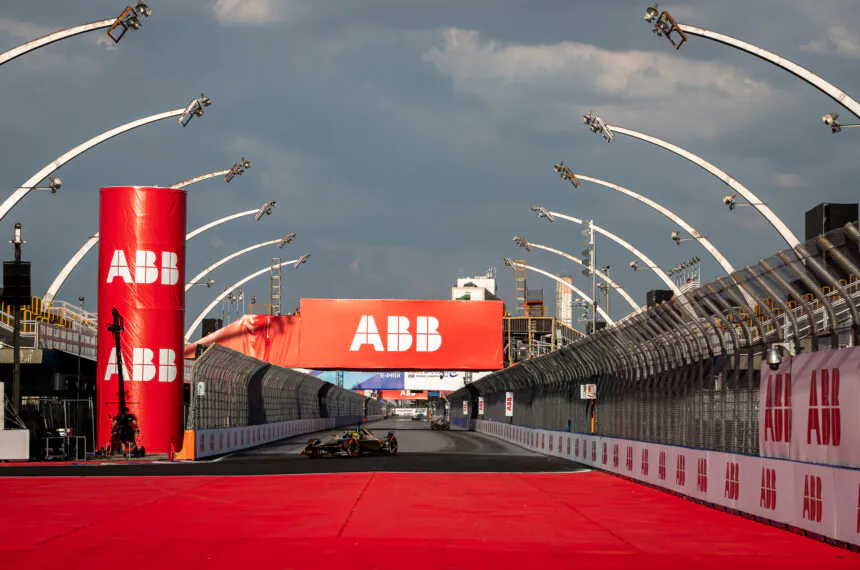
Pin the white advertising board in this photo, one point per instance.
(807, 408)
(588, 391)
(509, 404)
(438, 380)
(480, 405)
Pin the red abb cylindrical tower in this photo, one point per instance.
(142, 275)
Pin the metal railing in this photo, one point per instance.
(74, 341)
(686, 372)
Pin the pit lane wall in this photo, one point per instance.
(823, 501)
(239, 402)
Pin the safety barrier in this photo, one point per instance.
(820, 500)
(238, 402)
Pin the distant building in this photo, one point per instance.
(481, 288)
(564, 301)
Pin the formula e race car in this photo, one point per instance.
(440, 423)
(352, 443)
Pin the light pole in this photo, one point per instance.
(208, 283)
(665, 25)
(604, 274)
(550, 216)
(219, 298)
(511, 263)
(237, 169)
(596, 124)
(695, 234)
(605, 287)
(190, 111)
(130, 19)
(81, 301)
(288, 238)
(94, 239)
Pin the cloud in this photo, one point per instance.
(232, 12)
(788, 180)
(646, 89)
(24, 30)
(839, 41)
(354, 265)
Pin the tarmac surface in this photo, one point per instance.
(420, 449)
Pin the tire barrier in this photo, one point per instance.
(818, 500)
(238, 402)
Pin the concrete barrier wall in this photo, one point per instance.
(822, 501)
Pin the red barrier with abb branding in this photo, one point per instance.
(142, 275)
(807, 408)
(401, 335)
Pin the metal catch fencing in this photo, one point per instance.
(61, 417)
(230, 389)
(686, 372)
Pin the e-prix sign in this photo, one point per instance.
(401, 335)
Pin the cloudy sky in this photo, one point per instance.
(406, 141)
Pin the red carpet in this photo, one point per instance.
(391, 520)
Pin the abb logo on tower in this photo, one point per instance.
(143, 365)
(427, 337)
(362, 334)
(146, 267)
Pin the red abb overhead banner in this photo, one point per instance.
(345, 334)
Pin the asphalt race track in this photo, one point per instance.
(420, 450)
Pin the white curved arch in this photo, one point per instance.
(210, 225)
(644, 258)
(816, 81)
(200, 178)
(219, 263)
(573, 288)
(94, 239)
(226, 292)
(16, 196)
(705, 242)
(8, 56)
(754, 201)
(600, 274)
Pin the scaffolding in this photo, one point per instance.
(520, 275)
(275, 286)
